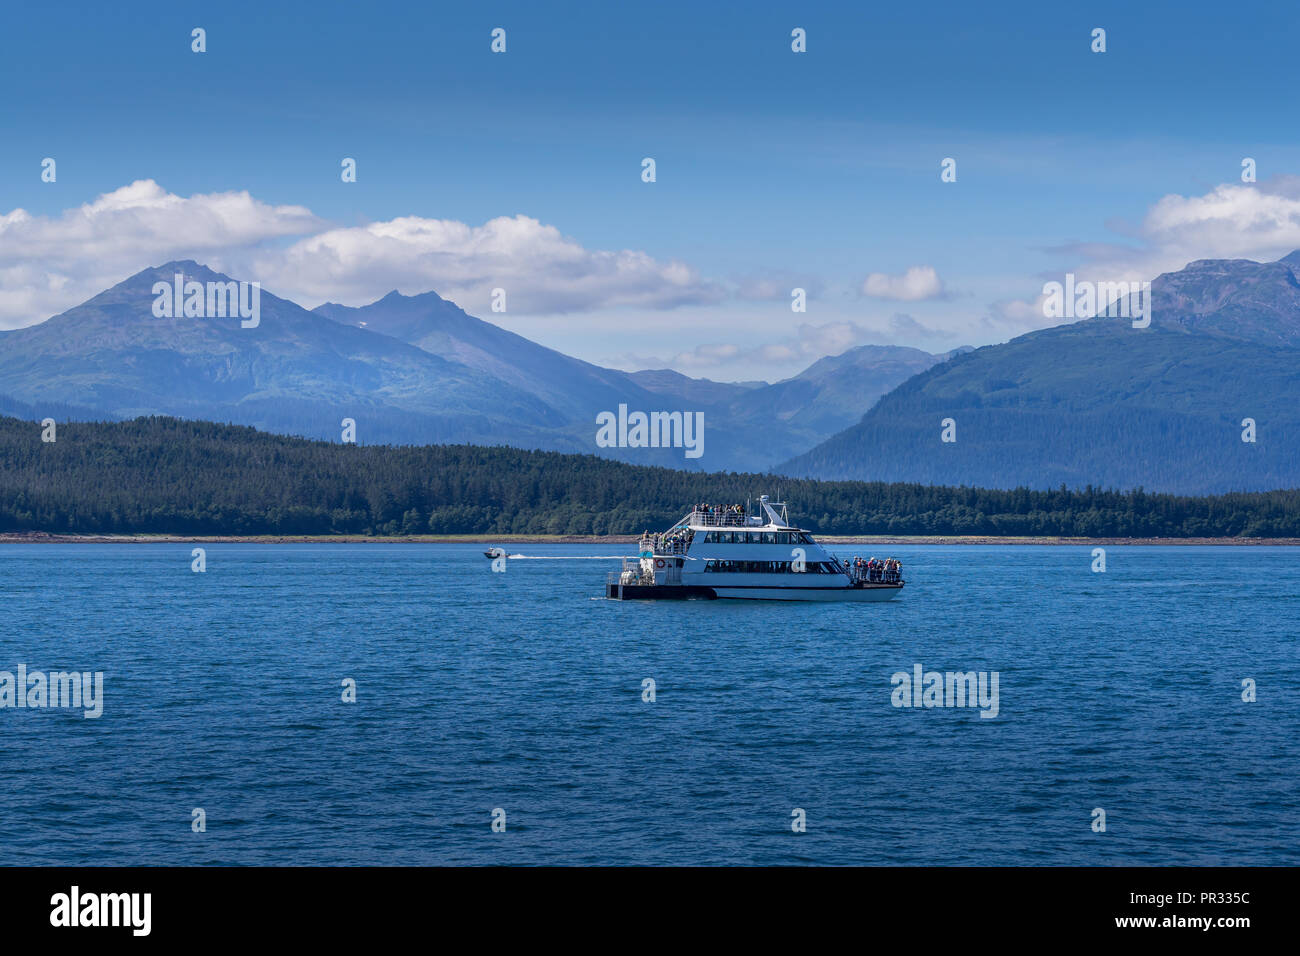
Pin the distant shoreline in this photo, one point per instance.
(41, 537)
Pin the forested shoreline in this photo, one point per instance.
(168, 476)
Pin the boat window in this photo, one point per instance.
(769, 537)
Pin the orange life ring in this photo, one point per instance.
(659, 562)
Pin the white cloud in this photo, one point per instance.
(914, 285)
(51, 263)
(773, 286)
(541, 270)
(48, 264)
(1231, 221)
(809, 343)
(143, 220)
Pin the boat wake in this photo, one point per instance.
(563, 557)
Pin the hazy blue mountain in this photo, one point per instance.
(577, 390)
(56, 410)
(1099, 402)
(408, 369)
(296, 372)
(748, 425)
(833, 392)
(665, 381)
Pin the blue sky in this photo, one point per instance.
(774, 169)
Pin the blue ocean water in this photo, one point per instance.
(523, 691)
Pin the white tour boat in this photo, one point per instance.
(727, 552)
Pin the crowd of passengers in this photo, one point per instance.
(674, 541)
(886, 571)
(720, 509)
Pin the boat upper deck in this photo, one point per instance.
(724, 519)
(738, 516)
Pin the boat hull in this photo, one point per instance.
(871, 593)
(648, 592)
(658, 592)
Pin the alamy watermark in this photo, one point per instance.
(1081, 299)
(923, 688)
(211, 300)
(76, 908)
(56, 689)
(652, 430)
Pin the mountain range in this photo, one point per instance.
(1094, 402)
(408, 370)
(1103, 403)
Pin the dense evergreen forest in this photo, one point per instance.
(164, 475)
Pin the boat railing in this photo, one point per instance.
(676, 541)
(721, 519)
